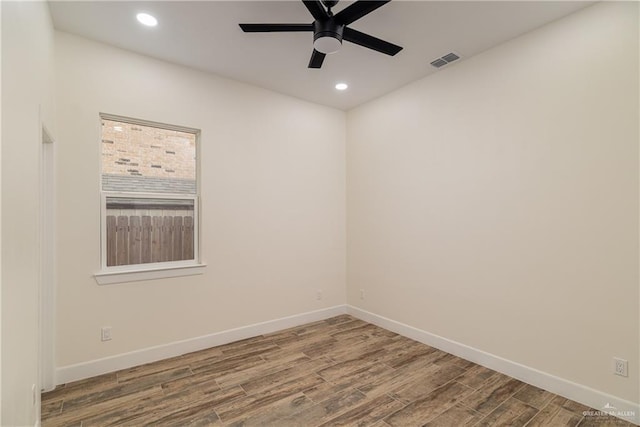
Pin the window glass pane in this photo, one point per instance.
(145, 230)
(146, 159)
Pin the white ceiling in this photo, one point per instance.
(205, 35)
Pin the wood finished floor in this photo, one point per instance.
(340, 371)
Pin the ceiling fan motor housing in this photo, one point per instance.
(327, 35)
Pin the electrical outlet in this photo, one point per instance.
(34, 397)
(319, 294)
(361, 293)
(620, 367)
(105, 333)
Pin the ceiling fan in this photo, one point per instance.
(330, 30)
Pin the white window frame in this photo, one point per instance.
(156, 270)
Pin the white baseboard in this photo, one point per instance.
(624, 409)
(92, 368)
(577, 392)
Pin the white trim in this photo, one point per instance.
(560, 386)
(577, 392)
(112, 277)
(92, 368)
(47, 290)
(142, 122)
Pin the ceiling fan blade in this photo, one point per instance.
(370, 42)
(316, 9)
(357, 10)
(316, 59)
(275, 28)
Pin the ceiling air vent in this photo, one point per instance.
(439, 63)
(444, 60)
(450, 57)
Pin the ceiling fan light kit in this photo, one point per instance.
(327, 36)
(330, 30)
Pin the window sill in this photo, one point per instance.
(112, 277)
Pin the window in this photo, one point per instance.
(149, 196)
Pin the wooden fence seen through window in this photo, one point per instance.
(146, 239)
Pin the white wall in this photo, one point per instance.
(495, 203)
(273, 203)
(27, 49)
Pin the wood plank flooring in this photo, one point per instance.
(340, 371)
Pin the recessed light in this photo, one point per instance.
(117, 128)
(146, 19)
(342, 86)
